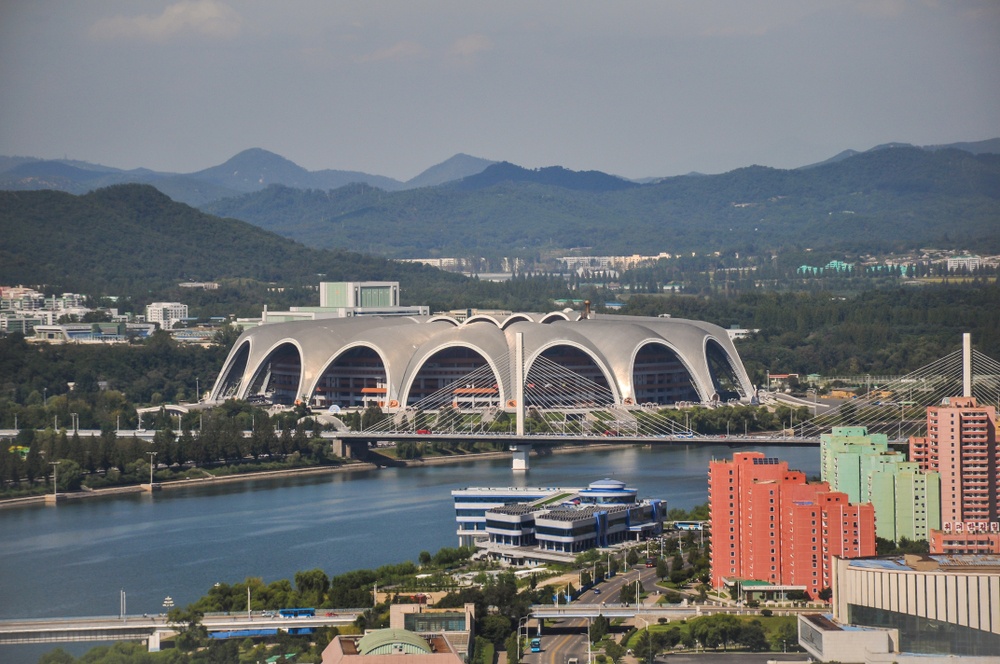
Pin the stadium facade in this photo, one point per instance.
(399, 361)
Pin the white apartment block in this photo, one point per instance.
(166, 313)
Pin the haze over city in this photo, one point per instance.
(638, 89)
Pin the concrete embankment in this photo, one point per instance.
(288, 472)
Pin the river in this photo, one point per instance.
(74, 559)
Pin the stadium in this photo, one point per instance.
(569, 360)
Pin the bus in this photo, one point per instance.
(536, 645)
(689, 525)
(297, 613)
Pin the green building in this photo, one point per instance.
(907, 501)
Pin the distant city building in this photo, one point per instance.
(347, 299)
(21, 308)
(204, 285)
(166, 314)
(117, 332)
(907, 500)
(528, 525)
(768, 524)
(961, 445)
(966, 263)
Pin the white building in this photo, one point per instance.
(166, 313)
(936, 607)
(968, 263)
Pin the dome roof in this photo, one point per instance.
(383, 641)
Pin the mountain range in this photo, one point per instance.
(248, 171)
(894, 197)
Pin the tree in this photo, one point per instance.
(513, 647)
(661, 568)
(191, 633)
(599, 628)
(312, 586)
(495, 629)
(615, 651)
(70, 475)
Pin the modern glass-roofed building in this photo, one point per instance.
(555, 520)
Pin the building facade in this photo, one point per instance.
(556, 519)
(940, 604)
(406, 360)
(166, 313)
(768, 524)
(906, 498)
(961, 446)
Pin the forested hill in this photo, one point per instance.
(131, 240)
(890, 199)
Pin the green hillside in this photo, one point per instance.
(131, 239)
(890, 199)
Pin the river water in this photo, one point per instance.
(74, 559)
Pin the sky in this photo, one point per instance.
(635, 88)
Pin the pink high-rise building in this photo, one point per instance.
(769, 524)
(961, 445)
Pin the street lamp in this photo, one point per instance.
(55, 478)
(45, 396)
(522, 621)
(152, 464)
(76, 422)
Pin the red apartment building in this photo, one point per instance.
(961, 445)
(769, 524)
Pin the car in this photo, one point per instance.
(330, 614)
(597, 591)
(424, 432)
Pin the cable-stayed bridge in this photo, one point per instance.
(562, 406)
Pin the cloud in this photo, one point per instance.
(470, 45)
(204, 17)
(399, 51)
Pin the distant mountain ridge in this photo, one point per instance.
(255, 169)
(250, 170)
(882, 200)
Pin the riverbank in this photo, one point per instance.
(25, 501)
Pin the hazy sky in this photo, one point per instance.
(390, 88)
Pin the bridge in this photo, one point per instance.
(554, 405)
(558, 406)
(153, 629)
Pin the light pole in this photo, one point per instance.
(522, 621)
(55, 478)
(589, 651)
(152, 464)
(197, 391)
(815, 405)
(45, 397)
(76, 422)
